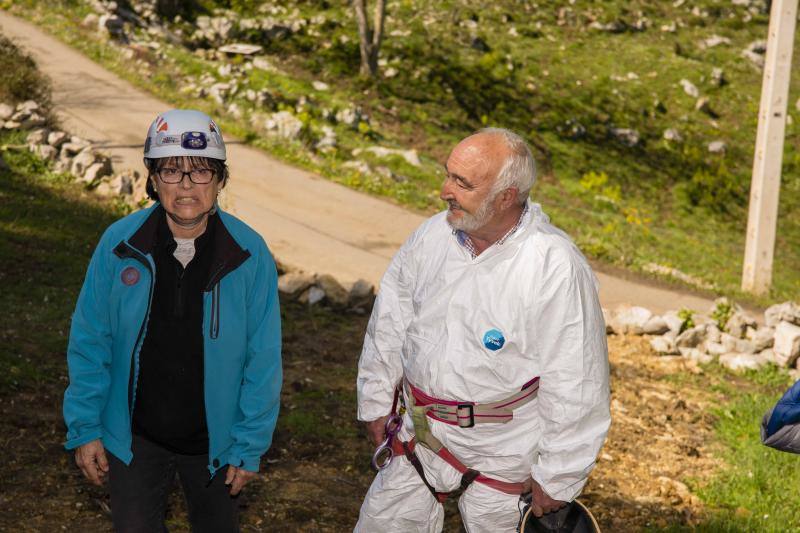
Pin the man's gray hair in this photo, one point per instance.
(519, 168)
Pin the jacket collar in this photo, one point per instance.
(227, 255)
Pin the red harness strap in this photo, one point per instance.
(468, 475)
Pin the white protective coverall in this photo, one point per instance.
(433, 309)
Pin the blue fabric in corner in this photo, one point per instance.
(787, 410)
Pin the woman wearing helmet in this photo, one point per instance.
(174, 350)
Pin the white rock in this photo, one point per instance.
(715, 348)
(410, 156)
(334, 292)
(674, 322)
(6, 111)
(755, 52)
(328, 141)
(630, 320)
(763, 338)
(359, 166)
(284, 124)
(361, 294)
(28, 106)
(692, 337)
(714, 40)
(745, 346)
(713, 334)
(741, 361)
(313, 295)
(689, 88)
(769, 356)
(34, 120)
(96, 171)
(81, 162)
(90, 21)
(738, 322)
(390, 72)
(350, 116)
(672, 134)
(235, 111)
(663, 346)
(787, 344)
(784, 312)
(56, 138)
(655, 326)
(717, 147)
(220, 92)
(320, 85)
(37, 137)
(627, 136)
(696, 354)
(293, 284)
(71, 149)
(729, 342)
(46, 152)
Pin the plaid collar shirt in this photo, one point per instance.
(466, 242)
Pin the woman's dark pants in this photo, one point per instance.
(140, 490)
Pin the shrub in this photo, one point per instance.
(19, 78)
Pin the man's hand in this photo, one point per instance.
(237, 478)
(91, 459)
(541, 503)
(376, 430)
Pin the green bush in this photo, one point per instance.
(19, 79)
(718, 190)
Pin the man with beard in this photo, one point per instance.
(488, 327)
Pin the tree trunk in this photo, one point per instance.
(370, 38)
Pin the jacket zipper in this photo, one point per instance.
(126, 251)
(215, 305)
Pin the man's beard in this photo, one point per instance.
(470, 223)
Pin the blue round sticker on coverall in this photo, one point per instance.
(493, 339)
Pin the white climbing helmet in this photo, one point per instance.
(184, 132)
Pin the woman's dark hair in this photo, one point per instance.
(219, 167)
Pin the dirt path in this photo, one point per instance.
(309, 222)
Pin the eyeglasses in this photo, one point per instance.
(199, 176)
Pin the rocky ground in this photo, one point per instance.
(318, 468)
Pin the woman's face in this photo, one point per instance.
(186, 202)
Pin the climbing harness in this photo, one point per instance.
(464, 415)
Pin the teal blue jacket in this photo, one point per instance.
(241, 330)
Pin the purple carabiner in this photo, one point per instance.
(383, 453)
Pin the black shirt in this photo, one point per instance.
(169, 407)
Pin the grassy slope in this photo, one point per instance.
(670, 203)
(756, 491)
(48, 229)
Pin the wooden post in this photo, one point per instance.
(766, 181)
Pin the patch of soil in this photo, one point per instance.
(317, 471)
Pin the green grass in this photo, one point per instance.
(757, 488)
(48, 230)
(674, 203)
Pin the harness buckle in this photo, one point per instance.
(465, 414)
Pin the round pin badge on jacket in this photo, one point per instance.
(130, 276)
(493, 339)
